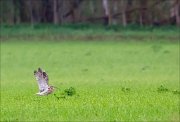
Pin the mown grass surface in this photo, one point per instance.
(114, 80)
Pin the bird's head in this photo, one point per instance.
(51, 88)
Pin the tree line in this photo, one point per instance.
(108, 12)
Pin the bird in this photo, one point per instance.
(42, 80)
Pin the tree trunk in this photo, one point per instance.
(143, 7)
(174, 11)
(91, 6)
(107, 12)
(61, 11)
(177, 13)
(124, 20)
(10, 12)
(31, 12)
(16, 11)
(115, 10)
(55, 11)
(12, 15)
(140, 20)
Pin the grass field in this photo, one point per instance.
(121, 80)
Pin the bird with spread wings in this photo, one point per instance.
(42, 80)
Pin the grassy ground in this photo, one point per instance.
(125, 80)
(85, 32)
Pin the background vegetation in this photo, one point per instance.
(108, 12)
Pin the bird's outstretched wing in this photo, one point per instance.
(42, 79)
(45, 76)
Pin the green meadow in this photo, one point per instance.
(118, 74)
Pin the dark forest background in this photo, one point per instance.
(108, 12)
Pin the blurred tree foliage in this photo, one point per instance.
(108, 12)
